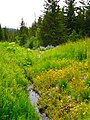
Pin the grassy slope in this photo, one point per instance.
(62, 78)
(60, 75)
(14, 102)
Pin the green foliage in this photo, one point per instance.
(1, 33)
(32, 43)
(55, 26)
(74, 36)
(23, 33)
(23, 39)
(85, 95)
(6, 34)
(70, 15)
(33, 29)
(87, 82)
(52, 29)
(62, 84)
(14, 101)
(87, 15)
(61, 77)
(59, 57)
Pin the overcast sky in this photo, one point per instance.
(11, 12)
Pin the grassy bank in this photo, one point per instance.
(61, 76)
(14, 102)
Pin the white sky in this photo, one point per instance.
(11, 12)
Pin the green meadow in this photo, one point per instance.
(60, 75)
(14, 101)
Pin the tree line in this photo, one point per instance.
(55, 26)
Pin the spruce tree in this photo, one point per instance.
(80, 21)
(83, 19)
(70, 15)
(33, 29)
(23, 33)
(87, 22)
(6, 34)
(52, 29)
(1, 33)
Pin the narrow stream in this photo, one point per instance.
(34, 99)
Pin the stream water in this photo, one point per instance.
(34, 99)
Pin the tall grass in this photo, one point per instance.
(14, 102)
(62, 78)
(60, 75)
(60, 56)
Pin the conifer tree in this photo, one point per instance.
(33, 29)
(52, 29)
(6, 34)
(70, 15)
(23, 33)
(1, 33)
(87, 22)
(83, 18)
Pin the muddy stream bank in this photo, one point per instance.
(34, 99)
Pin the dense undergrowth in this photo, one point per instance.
(61, 76)
(14, 102)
